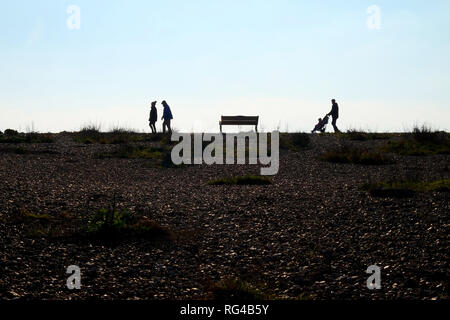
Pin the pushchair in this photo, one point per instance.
(322, 125)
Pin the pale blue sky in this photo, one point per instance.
(283, 60)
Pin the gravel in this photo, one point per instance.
(311, 234)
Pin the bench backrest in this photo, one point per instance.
(240, 119)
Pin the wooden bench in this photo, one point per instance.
(238, 121)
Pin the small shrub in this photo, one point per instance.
(420, 142)
(356, 135)
(425, 135)
(11, 132)
(90, 129)
(356, 156)
(242, 180)
(109, 221)
(115, 224)
(129, 151)
(91, 134)
(404, 189)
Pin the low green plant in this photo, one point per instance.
(109, 221)
(115, 224)
(37, 216)
(406, 188)
(242, 180)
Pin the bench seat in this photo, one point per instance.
(239, 120)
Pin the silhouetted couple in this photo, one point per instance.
(167, 117)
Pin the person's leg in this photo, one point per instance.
(153, 127)
(168, 126)
(336, 130)
(164, 126)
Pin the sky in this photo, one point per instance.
(284, 60)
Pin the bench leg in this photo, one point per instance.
(220, 128)
(256, 128)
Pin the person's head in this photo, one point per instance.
(164, 103)
(153, 103)
(320, 119)
(333, 101)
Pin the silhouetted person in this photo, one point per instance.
(167, 116)
(153, 117)
(334, 114)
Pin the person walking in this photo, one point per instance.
(167, 117)
(153, 117)
(334, 114)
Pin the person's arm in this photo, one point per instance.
(329, 113)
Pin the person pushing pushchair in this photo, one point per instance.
(334, 113)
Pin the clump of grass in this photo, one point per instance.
(356, 156)
(404, 189)
(91, 134)
(242, 180)
(294, 141)
(129, 151)
(44, 225)
(90, 129)
(12, 136)
(109, 221)
(114, 223)
(359, 135)
(37, 216)
(422, 141)
(236, 289)
(425, 134)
